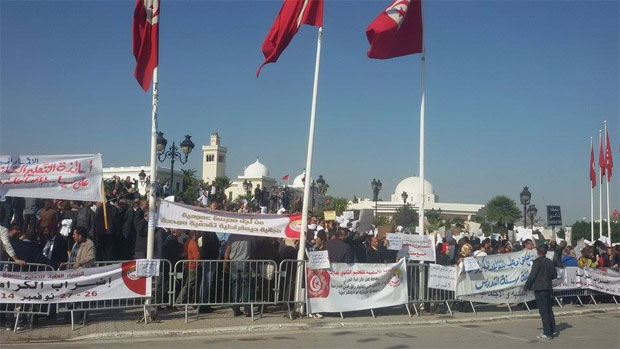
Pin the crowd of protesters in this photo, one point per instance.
(72, 234)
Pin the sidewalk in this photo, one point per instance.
(124, 324)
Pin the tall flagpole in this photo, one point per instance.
(607, 185)
(152, 207)
(422, 104)
(591, 198)
(600, 196)
(308, 178)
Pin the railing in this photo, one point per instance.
(247, 283)
(28, 309)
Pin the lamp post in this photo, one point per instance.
(404, 196)
(525, 196)
(531, 212)
(376, 188)
(247, 186)
(322, 185)
(313, 189)
(186, 147)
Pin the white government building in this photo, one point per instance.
(411, 186)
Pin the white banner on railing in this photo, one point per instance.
(507, 296)
(442, 277)
(497, 272)
(68, 177)
(417, 247)
(351, 287)
(174, 215)
(603, 279)
(114, 281)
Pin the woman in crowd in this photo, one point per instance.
(587, 259)
(568, 257)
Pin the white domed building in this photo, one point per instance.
(256, 174)
(407, 192)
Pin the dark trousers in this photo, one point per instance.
(544, 301)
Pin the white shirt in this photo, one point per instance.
(480, 253)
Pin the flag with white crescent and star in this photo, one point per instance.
(397, 31)
(145, 30)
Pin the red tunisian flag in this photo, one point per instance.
(397, 31)
(601, 161)
(609, 160)
(292, 15)
(285, 177)
(145, 30)
(592, 167)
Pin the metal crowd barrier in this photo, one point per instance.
(287, 285)
(30, 310)
(161, 296)
(245, 283)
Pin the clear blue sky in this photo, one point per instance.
(515, 89)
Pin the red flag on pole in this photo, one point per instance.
(285, 177)
(592, 167)
(601, 160)
(292, 15)
(397, 31)
(145, 30)
(609, 160)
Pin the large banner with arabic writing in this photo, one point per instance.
(605, 280)
(68, 177)
(497, 272)
(114, 281)
(351, 287)
(179, 216)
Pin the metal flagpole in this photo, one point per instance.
(600, 196)
(308, 177)
(591, 201)
(422, 104)
(607, 189)
(152, 207)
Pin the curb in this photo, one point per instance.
(319, 326)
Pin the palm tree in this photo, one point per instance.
(502, 209)
(222, 183)
(189, 176)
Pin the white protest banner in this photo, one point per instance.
(605, 280)
(348, 215)
(524, 234)
(567, 279)
(174, 215)
(395, 241)
(473, 227)
(87, 284)
(442, 277)
(497, 272)
(351, 287)
(417, 247)
(147, 267)
(68, 177)
(506, 296)
(318, 260)
(470, 264)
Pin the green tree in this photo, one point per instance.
(222, 183)
(333, 204)
(503, 210)
(581, 229)
(189, 176)
(405, 216)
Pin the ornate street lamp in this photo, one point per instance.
(404, 196)
(322, 185)
(313, 189)
(142, 175)
(531, 212)
(247, 186)
(376, 188)
(525, 196)
(186, 147)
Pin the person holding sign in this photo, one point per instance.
(542, 274)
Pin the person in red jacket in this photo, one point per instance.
(191, 252)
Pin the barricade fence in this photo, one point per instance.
(245, 284)
(234, 283)
(27, 309)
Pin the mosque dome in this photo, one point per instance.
(411, 185)
(256, 170)
(298, 182)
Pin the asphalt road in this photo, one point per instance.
(585, 331)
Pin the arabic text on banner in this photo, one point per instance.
(605, 280)
(511, 295)
(68, 177)
(179, 216)
(442, 277)
(497, 272)
(351, 287)
(87, 284)
(418, 247)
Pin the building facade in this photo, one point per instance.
(213, 159)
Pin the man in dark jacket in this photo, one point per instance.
(210, 250)
(338, 250)
(105, 237)
(141, 236)
(55, 249)
(375, 253)
(85, 218)
(126, 241)
(542, 274)
(557, 252)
